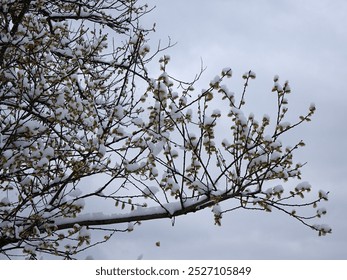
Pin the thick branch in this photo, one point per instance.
(152, 213)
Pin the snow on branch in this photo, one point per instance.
(91, 140)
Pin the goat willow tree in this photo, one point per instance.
(89, 141)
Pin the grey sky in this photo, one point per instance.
(302, 41)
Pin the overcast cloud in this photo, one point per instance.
(302, 41)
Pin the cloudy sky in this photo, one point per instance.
(303, 41)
